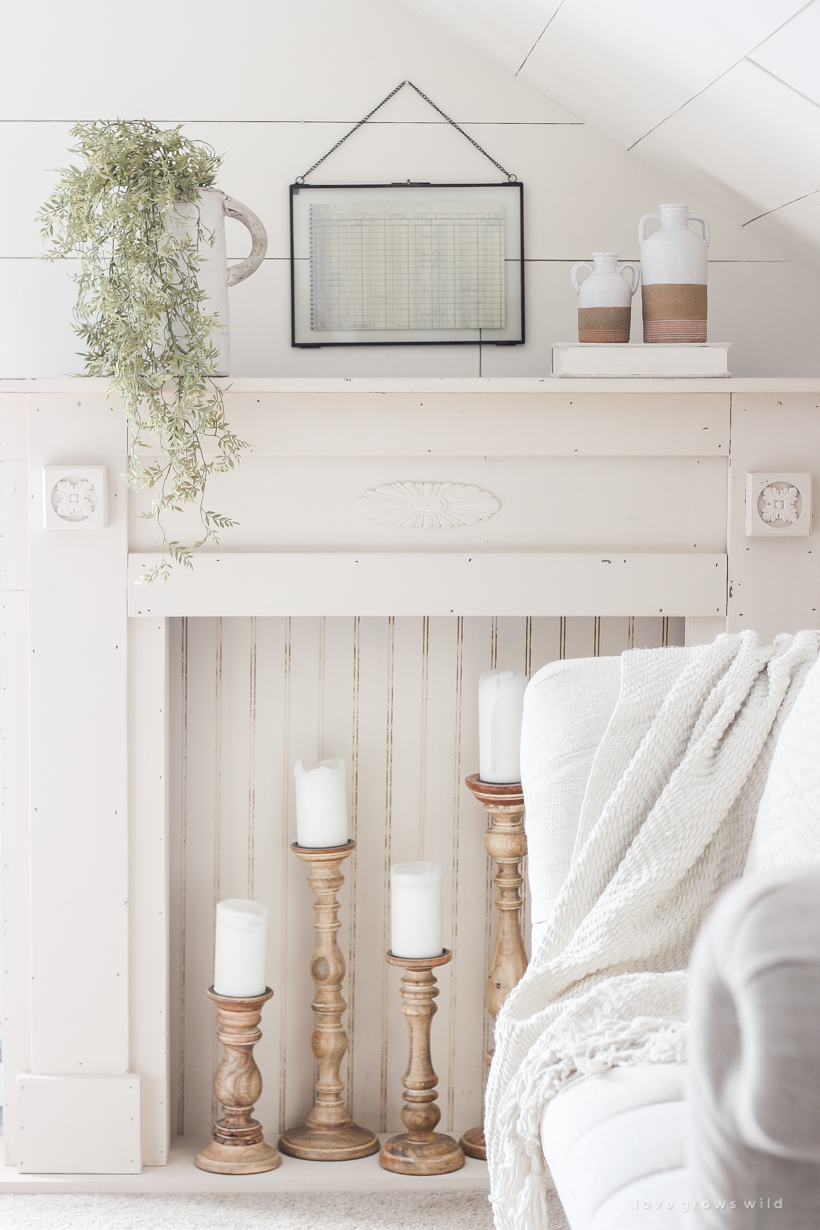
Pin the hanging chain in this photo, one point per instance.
(300, 179)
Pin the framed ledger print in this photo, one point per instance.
(406, 264)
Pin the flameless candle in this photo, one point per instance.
(239, 956)
(500, 711)
(415, 910)
(321, 804)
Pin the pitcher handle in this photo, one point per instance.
(259, 245)
(574, 274)
(642, 225)
(633, 282)
(704, 222)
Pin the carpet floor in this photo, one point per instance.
(322, 1211)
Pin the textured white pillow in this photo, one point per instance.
(566, 710)
(787, 828)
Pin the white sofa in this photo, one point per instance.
(617, 1144)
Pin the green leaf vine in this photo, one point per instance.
(140, 309)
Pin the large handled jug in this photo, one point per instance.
(210, 210)
(605, 298)
(673, 276)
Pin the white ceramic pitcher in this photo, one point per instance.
(673, 273)
(605, 297)
(211, 209)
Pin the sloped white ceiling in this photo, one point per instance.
(722, 95)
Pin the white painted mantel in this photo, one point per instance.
(604, 503)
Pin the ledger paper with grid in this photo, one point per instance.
(383, 267)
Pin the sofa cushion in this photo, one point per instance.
(566, 710)
(616, 1141)
(787, 828)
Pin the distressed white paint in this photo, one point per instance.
(15, 899)
(398, 699)
(791, 494)
(79, 1124)
(390, 691)
(148, 893)
(79, 822)
(436, 583)
(84, 504)
(774, 586)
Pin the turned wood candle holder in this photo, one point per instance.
(506, 842)
(420, 1150)
(238, 1146)
(329, 1134)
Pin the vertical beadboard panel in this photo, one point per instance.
(177, 631)
(195, 873)
(305, 713)
(397, 698)
(268, 673)
(376, 655)
(471, 1024)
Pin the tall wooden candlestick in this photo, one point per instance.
(238, 1146)
(420, 1150)
(329, 1134)
(506, 842)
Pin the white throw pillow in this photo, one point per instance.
(566, 710)
(787, 828)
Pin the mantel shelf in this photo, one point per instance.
(465, 384)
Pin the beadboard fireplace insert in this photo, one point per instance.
(395, 539)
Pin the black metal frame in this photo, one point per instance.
(297, 188)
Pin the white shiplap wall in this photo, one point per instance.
(397, 699)
(273, 87)
(726, 97)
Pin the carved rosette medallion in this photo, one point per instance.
(427, 505)
(74, 499)
(778, 504)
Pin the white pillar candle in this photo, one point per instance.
(415, 910)
(321, 804)
(500, 712)
(239, 955)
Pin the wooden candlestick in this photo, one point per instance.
(420, 1150)
(238, 1146)
(506, 842)
(329, 1134)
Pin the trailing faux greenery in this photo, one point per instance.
(140, 308)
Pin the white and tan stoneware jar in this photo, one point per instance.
(605, 297)
(673, 276)
(209, 210)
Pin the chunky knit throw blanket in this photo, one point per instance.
(665, 826)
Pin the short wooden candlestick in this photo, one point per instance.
(420, 1150)
(506, 842)
(238, 1146)
(329, 1134)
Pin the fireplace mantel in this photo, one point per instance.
(598, 497)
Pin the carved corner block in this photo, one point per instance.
(778, 505)
(75, 498)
